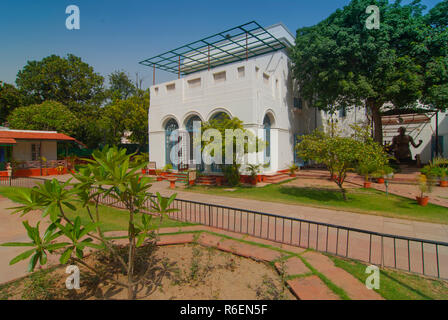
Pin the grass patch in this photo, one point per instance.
(397, 285)
(113, 219)
(359, 200)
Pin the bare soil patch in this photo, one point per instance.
(190, 272)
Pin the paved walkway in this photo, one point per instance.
(403, 227)
(12, 230)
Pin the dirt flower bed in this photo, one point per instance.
(190, 272)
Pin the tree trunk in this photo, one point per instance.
(376, 118)
(131, 292)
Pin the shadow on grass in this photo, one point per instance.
(316, 194)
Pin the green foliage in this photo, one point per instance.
(10, 98)
(120, 86)
(232, 174)
(69, 81)
(108, 174)
(50, 115)
(341, 154)
(130, 115)
(293, 168)
(438, 167)
(253, 169)
(339, 62)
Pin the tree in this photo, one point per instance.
(127, 115)
(433, 54)
(106, 175)
(342, 154)
(69, 81)
(231, 131)
(120, 86)
(10, 98)
(339, 62)
(50, 115)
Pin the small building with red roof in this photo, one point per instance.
(31, 152)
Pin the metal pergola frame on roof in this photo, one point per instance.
(236, 44)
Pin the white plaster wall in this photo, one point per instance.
(425, 132)
(22, 150)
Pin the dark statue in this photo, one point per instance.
(401, 146)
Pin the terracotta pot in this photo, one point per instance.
(444, 183)
(172, 184)
(219, 181)
(380, 180)
(259, 178)
(367, 184)
(422, 201)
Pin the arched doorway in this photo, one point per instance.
(219, 116)
(191, 147)
(170, 127)
(267, 138)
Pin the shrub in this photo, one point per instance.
(108, 174)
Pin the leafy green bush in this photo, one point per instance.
(232, 174)
(108, 174)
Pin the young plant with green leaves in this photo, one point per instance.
(107, 175)
(342, 154)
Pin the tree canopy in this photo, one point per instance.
(10, 98)
(340, 62)
(120, 86)
(129, 115)
(69, 81)
(50, 115)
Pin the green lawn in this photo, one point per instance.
(396, 285)
(113, 219)
(359, 200)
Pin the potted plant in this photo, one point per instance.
(60, 169)
(159, 175)
(167, 169)
(253, 169)
(385, 172)
(424, 184)
(366, 170)
(442, 174)
(292, 170)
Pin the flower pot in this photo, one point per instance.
(191, 182)
(367, 184)
(422, 201)
(253, 181)
(263, 178)
(380, 180)
(259, 178)
(159, 178)
(444, 183)
(218, 181)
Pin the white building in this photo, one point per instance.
(244, 72)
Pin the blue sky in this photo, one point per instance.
(116, 35)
